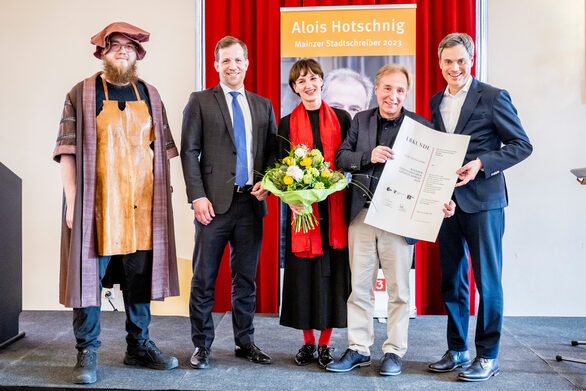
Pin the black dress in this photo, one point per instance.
(315, 290)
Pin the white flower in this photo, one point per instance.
(295, 172)
(301, 151)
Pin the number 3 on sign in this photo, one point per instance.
(381, 284)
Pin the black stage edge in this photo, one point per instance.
(12, 340)
(529, 345)
(10, 255)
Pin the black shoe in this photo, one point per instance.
(252, 353)
(480, 370)
(390, 365)
(148, 355)
(86, 368)
(324, 355)
(450, 361)
(350, 360)
(200, 359)
(305, 355)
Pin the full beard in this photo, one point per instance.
(120, 75)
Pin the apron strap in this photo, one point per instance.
(105, 87)
(136, 91)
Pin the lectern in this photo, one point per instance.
(10, 255)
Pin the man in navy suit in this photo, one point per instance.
(497, 142)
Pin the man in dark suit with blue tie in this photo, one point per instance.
(228, 140)
(497, 142)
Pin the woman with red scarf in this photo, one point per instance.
(316, 283)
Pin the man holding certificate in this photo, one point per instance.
(364, 153)
(497, 142)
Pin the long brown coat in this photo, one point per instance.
(79, 275)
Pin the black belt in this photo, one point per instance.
(243, 189)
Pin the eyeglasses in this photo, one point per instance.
(116, 47)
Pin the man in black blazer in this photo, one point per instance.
(228, 140)
(497, 142)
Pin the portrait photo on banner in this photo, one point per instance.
(348, 81)
(350, 43)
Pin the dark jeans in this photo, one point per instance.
(479, 234)
(136, 290)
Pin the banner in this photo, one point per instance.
(351, 43)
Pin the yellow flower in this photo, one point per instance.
(306, 162)
(288, 160)
(287, 180)
(325, 173)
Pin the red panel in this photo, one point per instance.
(247, 20)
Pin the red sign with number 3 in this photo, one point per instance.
(381, 285)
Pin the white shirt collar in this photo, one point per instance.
(228, 90)
(464, 89)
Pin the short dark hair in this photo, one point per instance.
(302, 67)
(229, 41)
(456, 39)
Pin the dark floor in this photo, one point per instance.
(529, 345)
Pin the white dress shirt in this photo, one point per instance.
(247, 124)
(451, 105)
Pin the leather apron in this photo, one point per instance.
(124, 177)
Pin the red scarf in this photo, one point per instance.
(309, 245)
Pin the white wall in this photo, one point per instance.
(536, 51)
(46, 50)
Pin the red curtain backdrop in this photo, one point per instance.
(256, 22)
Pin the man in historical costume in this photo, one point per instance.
(364, 153)
(114, 146)
(228, 141)
(497, 142)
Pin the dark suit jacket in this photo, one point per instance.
(354, 156)
(208, 152)
(497, 139)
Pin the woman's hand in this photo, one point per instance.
(296, 209)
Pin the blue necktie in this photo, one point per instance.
(239, 140)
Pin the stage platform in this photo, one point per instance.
(529, 345)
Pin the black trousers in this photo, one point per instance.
(136, 289)
(242, 228)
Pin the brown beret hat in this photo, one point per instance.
(136, 35)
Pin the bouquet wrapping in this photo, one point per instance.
(303, 178)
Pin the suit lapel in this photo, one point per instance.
(372, 129)
(254, 110)
(435, 111)
(469, 105)
(219, 94)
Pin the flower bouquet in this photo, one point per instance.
(302, 178)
